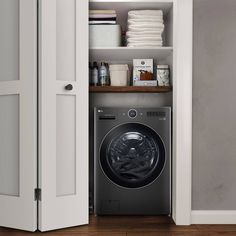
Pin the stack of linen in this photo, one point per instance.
(145, 28)
(102, 17)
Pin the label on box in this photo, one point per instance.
(142, 66)
(145, 83)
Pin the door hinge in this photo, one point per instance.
(37, 194)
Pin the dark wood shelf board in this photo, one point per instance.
(129, 89)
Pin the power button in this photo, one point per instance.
(132, 113)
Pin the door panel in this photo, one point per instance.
(66, 145)
(9, 145)
(66, 50)
(9, 40)
(63, 140)
(18, 116)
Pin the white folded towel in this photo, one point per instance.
(145, 28)
(137, 17)
(145, 13)
(147, 24)
(138, 34)
(140, 20)
(134, 23)
(145, 44)
(141, 28)
(144, 39)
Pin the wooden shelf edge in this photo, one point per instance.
(132, 48)
(129, 89)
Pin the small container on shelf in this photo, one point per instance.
(142, 69)
(90, 74)
(119, 75)
(104, 75)
(104, 36)
(94, 75)
(103, 30)
(163, 75)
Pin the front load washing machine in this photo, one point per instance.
(132, 163)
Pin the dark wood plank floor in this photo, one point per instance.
(133, 226)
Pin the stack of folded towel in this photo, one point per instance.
(145, 28)
(102, 17)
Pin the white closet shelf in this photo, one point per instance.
(128, 53)
(131, 1)
(123, 6)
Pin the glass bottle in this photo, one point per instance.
(103, 74)
(95, 74)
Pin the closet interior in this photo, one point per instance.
(129, 95)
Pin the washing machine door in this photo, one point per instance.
(132, 155)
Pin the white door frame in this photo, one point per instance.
(182, 108)
(182, 112)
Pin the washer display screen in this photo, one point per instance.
(132, 155)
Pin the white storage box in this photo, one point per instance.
(104, 36)
(119, 75)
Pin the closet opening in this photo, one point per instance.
(130, 110)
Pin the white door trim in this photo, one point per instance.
(182, 112)
(213, 217)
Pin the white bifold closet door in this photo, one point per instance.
(63, 113)
(18, 113)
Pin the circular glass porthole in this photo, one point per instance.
(132, 155)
